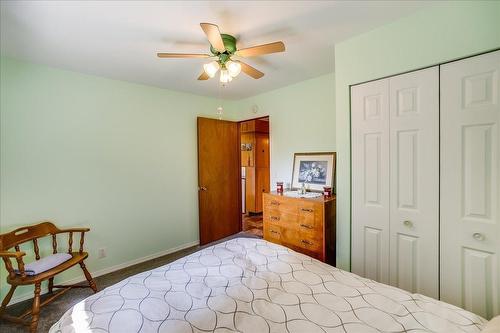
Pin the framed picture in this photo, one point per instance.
(314, 169)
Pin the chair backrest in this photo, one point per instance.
(26, 234)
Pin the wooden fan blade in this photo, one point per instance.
(261, 49)
(213, 35)
(182, 55)
(203, 76)
(249, 70)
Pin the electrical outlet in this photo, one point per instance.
(101, 253)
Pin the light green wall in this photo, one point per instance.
(436, 34)
(118, 157)
(302, 119)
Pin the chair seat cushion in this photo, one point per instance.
(45, 263)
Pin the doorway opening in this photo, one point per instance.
(255, 172)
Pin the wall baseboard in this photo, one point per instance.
(81, 278)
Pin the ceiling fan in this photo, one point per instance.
(223, 48)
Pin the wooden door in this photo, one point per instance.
(414, 181)
(262, 150)
(261, 186)
(218, 179)
(250, 190)
(262, 168)
(470, 184)
(370, 180)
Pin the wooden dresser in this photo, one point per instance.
(304, 225)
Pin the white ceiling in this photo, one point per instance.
(119, 39)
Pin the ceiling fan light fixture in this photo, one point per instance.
(234, 67)
(222, 48)
(211, 68)
(225, 77)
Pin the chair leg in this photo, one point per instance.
(88, 277)
(36, 308)
(6, 299)
(51, 285)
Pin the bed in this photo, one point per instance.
(251, 285)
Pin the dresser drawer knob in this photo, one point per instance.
(275, 218)
(306, 242)
(307, 226)
(274, 232)
(309, 210)
(275, 203)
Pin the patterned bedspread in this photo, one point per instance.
(250, 285)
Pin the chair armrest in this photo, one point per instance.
(8, 254)
(73, 230)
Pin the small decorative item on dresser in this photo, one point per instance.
(279, 187)
(327, 191)
(302, 189)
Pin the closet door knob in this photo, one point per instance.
(408, 223)
(478, 236)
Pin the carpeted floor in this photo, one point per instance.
(51, 313)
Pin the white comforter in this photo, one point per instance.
(250, 285)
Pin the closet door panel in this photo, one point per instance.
(370, 188)
(414, 179)
(470, 184)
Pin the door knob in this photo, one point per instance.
(478, 236)
(202, 188)
(408, 223)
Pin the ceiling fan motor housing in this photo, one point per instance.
(230, 45)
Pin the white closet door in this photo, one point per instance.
(414, 181)
(470, 184)
(370, 185)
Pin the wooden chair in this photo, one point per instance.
(19, 277)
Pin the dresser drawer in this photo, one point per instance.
(310, 218)
(292, 237)
(317, 254)
(311, 244)
(278, 203)
(280, 217)
(272, 233)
